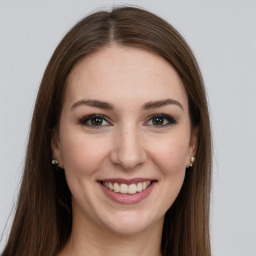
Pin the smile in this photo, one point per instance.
(126, 188)
(127, 191)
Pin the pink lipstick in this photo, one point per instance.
(125, 191)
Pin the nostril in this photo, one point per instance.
(129, 161)
(128, 151)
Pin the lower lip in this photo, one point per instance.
(127, 198)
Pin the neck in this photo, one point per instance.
(90, 239)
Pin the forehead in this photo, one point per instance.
(121, 74)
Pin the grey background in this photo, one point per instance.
(222, 34)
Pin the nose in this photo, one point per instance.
(128, 151)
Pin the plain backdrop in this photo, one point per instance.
(222, 34)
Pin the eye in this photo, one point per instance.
(161, 120)
(94, 121)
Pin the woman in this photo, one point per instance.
(119, 153)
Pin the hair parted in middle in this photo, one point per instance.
(45, 199)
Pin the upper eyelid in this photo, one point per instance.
(171, 120)
(87, 118)
(95, 116)
(162, 115)
(106, 118)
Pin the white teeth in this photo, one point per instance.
(110, 186)
(116, 187)
(139, 187)
(123, 188)
(132, 189)
(127, 189)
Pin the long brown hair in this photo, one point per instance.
(43, 220)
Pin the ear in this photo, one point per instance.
(193, 143)
(56, 148)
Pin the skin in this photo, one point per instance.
(128, 144)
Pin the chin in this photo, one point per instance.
(130, 223)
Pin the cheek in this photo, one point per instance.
(171, 155)
(82, 155)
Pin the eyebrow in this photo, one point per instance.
(161, 103)
(108, 106)
(93, 103)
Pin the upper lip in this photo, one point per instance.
(127, 181)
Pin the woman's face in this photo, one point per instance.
(124, 139)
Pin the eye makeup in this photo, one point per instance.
(94, 121)
(97, 121)
(160, 120)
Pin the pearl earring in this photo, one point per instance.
(55, 162)
(192, 160)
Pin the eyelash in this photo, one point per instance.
(170, 120)
(166, 119)
(86, 119)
